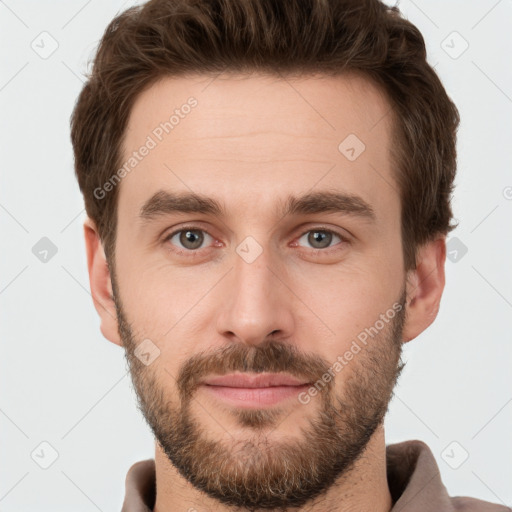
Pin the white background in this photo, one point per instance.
(63, 383)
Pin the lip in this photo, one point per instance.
(254, 391)
(244, 380)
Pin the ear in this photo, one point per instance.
(425, 286)
(100, 283)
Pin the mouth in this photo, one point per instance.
(254, 390)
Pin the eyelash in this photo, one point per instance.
(195, 252)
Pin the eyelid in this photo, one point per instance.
(343, 234)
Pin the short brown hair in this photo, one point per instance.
(178, 37)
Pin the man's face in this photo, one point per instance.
(257, 288)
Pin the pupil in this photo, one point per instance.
(189, 239)
(319, 236)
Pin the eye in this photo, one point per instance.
(190, 239)
(321, 238)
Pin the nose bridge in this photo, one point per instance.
(251, 273)
(256, 302)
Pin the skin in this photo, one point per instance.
(246, 133)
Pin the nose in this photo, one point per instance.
(257, 301)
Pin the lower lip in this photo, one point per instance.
(255, 397)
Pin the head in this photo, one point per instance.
(265, 199)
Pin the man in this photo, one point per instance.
(268, 195)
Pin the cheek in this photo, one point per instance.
(171, 307)
(343, 300)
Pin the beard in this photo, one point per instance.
(257, 472)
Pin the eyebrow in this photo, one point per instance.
(165, 203)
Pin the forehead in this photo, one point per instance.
(246, 138)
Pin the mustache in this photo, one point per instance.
(272, 356)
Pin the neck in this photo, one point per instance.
(363, 488)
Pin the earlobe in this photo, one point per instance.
(100, 283)
(425, 286)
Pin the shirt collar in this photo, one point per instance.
(414, 479)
